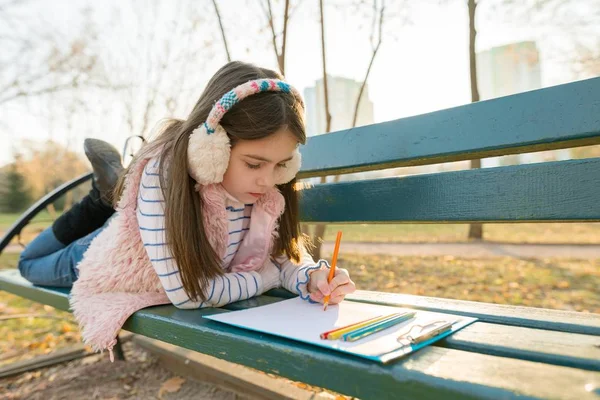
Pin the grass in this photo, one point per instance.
(38, 329)
(33, 329)
(8, 260)
(31, 230)
(556, 283)
(43, 219)
(549, 233)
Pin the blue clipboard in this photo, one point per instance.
(298, 320)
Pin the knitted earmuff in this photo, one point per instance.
(209, 148)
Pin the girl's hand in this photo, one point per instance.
(337, 289)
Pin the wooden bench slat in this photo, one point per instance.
(556, 117)
(556, 191)
(551, 347)
(500, 339)
(529, 317)
(433, 372)
(11, 281)
(534, 345)
(558, 348)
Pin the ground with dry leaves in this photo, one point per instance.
(95, 377)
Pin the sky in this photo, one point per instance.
(422, 66)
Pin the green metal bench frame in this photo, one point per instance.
(511, 351)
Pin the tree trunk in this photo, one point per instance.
(319, 232)
(222, 30)
(281, 58)
(373, 55)
(325, 87)
(279, 54)
(475, 230)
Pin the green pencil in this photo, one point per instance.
(376, 327)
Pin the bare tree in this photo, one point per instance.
(319, 229)
(375, 39)
(476, 229)
(47, 165)
(376, 16)
(324, 66)
(222, 30)
(278, 49)
(156, 67)
(575, 20)
(36, 57)
(587, 59)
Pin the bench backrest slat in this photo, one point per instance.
(562, 116)
(555, 191)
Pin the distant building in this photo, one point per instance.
(343, 93)
(506, 70)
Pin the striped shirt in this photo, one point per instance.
(222, 290)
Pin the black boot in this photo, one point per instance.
(95, 208)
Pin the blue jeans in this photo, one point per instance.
(47, 262)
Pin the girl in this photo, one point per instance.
(207, 213)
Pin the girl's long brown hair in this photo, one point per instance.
(255, 117)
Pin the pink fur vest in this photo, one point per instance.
(116, 277)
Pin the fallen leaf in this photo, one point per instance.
(563, 285)
(171, 386)
(90, 360)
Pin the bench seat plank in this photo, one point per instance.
(433, 372)
(554, 191)
(561, 116)
(573, 350)
(559, 348)
(529, 317)
(11, 281)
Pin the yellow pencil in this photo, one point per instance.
(336, 334)
(338, 239)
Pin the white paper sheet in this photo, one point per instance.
(299, 320)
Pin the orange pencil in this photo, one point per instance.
(336, 250)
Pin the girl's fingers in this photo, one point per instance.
(337, 299)
(317, 296)
(323, 286)
(344, 289)
(341, 278)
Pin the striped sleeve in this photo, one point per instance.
(295, 277)
(228, 288)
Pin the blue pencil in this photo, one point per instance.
(376, 327)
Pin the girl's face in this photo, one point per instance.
(253, 165)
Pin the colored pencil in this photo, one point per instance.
(376, 327)
(336, 333)
(332, 269)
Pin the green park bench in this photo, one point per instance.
(510, 351)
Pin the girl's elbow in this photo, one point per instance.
(184, 305)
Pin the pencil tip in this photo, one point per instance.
(325, 307)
